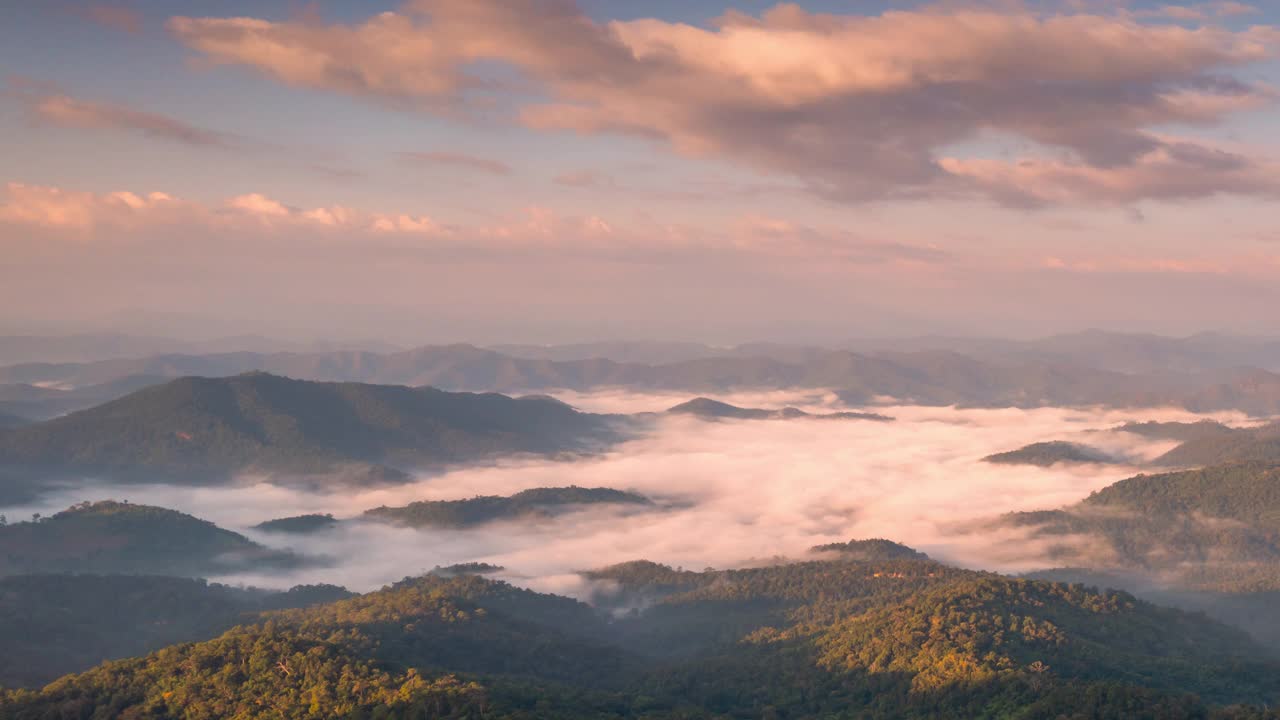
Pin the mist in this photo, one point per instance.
(728, 494)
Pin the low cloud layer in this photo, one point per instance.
(738, 492)
(857, 107)
(129, 218)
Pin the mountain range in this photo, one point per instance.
(930, 377)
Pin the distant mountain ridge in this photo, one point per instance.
(929, 377)
(195, 427)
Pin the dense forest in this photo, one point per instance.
(900, 639)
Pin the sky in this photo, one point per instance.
(552, 171)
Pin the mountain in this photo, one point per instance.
(200, 428)
(874, 550)
(1212, 527)
(8, 420)
(298, 524)
(525, 505)
(51, 625)
(1048, 454)
(113, 537)
(933, 377)
(910, 639)
(715, 410)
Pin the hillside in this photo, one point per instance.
(906, 640)
(112, 537)
(1047, 454)
(1236, 445)
(1216, 528)
(1246, 492)
(525, 505)
(51, 625)
(195, 428)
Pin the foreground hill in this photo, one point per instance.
(909, 639)
(193, 428)
(113, 537)
(51, 625)
(533, 504)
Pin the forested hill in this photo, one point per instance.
(195, 427)
(909, 639)
(114, 537)
(1047, 454)
(528, 504)
(1211, 528)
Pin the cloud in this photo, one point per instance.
(742, 492)
(857, 107)
(66, 111)
(1170, 171)
(134, 218)
(456, 160)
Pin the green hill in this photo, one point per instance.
(527, 504)
(197, 427)
(1212, 528)
(822, 639)
(113, 537)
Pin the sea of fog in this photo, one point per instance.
(731, 493)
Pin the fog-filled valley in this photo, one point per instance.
(653, 526)
(725, 493)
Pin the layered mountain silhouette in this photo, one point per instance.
(196, 428)
(931, 377)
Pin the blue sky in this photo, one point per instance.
(770, 197)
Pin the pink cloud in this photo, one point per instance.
(857, 107)
(130, 217)
(67, 111)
